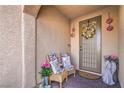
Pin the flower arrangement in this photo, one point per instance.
(111, 58)
(46, 68)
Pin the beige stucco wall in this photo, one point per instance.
(17, 46)
(109, 39)
(121, 45)
(10, 46)
(28, 41)
(52, 34)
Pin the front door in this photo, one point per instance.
(90, 47)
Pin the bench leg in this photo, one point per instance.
(50, 81)
(60, 84)
(74, 74)
(66, 79)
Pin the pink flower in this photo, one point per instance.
(45, 64)
(114, 57)
(111, 57)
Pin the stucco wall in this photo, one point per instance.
(28, 41)
(109, 39)
(52, 34)
(121, 45)
(10, 46)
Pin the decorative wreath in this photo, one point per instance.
(109, 21)
(88, 30)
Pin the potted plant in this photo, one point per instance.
(45, 71)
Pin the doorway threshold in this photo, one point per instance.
(89, 75)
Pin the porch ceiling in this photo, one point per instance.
(72, 11)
